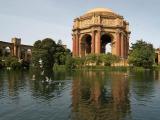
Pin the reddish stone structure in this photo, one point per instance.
(97, 28)
(15, 48)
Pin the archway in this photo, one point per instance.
(106, 41)
(86, 44)
(23, 52)
(7, 51)
(29, 52)
(156, 58)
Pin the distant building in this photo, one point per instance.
(15, 48)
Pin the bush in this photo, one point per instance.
(142, 54)
(12, 62)
(70, 63)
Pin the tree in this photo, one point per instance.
(50, 53)
(12, 62)
(107, 59)
(91, 59)
(45, 51)
(60, 54)
(142, 54)
(59, 42)
(70, 62)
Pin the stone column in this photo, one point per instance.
(122, 46)
(77, 45)
(74, 46)
(125, 47)
(158, 57)
(25, 57)
(98, 42)
(12, 51)
(127, 40)
(118, 47)
(15, 50)
(80, 47)
(93, 42)
(19, 52)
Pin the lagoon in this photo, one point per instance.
(81, 95)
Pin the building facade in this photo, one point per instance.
(97, 28)
(15, 48)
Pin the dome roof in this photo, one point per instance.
(99, 10)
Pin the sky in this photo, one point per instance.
(33, 20)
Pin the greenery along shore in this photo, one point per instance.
(47, 53)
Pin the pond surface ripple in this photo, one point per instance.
(85, 95)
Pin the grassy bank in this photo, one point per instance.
(104, 68)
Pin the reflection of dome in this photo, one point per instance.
(99, 10)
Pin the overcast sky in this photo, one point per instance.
(33, 20)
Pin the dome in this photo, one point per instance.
(99, 10)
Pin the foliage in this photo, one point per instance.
(49, 52)
(1, 63)
(12, 62)
(91, 60)
(25, 64)
(101, 59)
(45, 51)
(60, 54)
(108, 59)
(142, 54)
(1, 53)
(70, 62)
(59, 42)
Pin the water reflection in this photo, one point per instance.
(94, 99)
(88, 95)
(48, 85)
(12, 83)
(143, 84)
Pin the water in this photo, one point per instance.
(89, 95)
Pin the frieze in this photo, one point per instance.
(108, 22)
(85, 23)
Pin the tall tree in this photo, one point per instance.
(59, 42)
(49, 52)
(45, 51)
(142, 54)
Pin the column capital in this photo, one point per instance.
(77, 32)
(118, 31)
(96, 28)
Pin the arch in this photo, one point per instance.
(86, 42)
(6, 51)
(29, 51)
(156, 59)
(23, 52)
(29, 54)
(106, 39)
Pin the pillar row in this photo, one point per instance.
(74, 46)
(122, 46)
(118, 42)
(77, 45)
(98, 42)
(93, 42)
